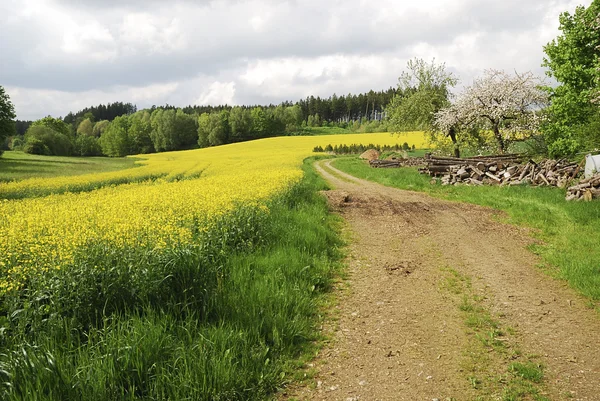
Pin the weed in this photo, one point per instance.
(529, 371)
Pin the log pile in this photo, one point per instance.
(501, 170)
(440, 166)
(587, 189)
(393, 163)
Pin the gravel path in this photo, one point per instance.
(398, 332)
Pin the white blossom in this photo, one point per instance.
(509, 105)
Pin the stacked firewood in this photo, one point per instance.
(408, 162)
(501, 170)
(587, 189)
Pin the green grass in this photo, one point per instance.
(568, 231)
(16, 166)
(493, 362)
(325, 131)
(530, 371)
(227, 318)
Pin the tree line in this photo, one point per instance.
(162, 129)
(119, 129)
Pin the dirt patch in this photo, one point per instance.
(401, 334)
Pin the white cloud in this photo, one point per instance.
(89, 40)
(29, 102)
(143, 33)
(217, 93)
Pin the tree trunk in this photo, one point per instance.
(452, 135)
(499, 139)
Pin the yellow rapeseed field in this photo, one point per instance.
(156, 205)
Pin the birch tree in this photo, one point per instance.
(423, 89)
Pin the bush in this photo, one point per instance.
(57, 144)
(36, 146)
(563, 146)
(17, 143)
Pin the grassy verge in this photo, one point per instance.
(568, 230)
(223, 319)
(16, 166)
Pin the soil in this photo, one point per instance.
(398, 333)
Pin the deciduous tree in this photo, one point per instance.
(7, 116)
(185, 134)
(219, 133)
(55, 124)
(139, 132)
(100, 127)
(85, 127)
(240, 122)
(507, 105)
(115, 141)
(423, 90)
(41, 139)
(573, 59)
(260, 124)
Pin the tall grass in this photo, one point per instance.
(221, 320)
(569, 230)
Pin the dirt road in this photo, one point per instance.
(444, 302)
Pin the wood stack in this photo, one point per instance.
(587, 189)
(501, 170)
(438, 165)
(409, 162)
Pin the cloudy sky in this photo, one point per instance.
(58, 56)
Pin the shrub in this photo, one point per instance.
(57, 144)
(17, 143)
(36, 146)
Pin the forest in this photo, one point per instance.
(119, 129)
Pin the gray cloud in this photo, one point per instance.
(69, 46)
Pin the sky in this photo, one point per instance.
(58, 56)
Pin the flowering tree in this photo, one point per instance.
(508, 105)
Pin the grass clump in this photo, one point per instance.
(530, 371)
